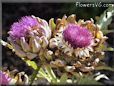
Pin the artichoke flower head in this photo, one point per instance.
(77, 44)
(29, 35)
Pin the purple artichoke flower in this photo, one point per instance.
(4, 79)
(29, 21)
(21, 28)
(77, 36)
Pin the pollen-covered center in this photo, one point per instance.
(77, 36)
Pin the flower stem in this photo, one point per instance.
(33, 76)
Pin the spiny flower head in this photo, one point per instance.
(30, 34)
(77, 36)
(29, 21)
(79, 43)
(21, 28)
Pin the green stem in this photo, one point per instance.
(34, 75)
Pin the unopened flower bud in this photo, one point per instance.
(24, 44)
(35, 46)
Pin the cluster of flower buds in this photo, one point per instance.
(69, 45)
(77, 45)
(29, 36)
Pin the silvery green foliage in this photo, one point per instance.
(105, 18)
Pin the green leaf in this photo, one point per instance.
(104, 68)
(105, 48)
(32, 64)
(63, 78)
(50, 73)
(105, 18)
(77, 75)
(109, 49)
(52, 24)
(106, 31)
(43, 74)
(6, 44)
(87, 81)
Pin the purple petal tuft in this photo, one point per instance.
(21, 28)
(29, 21)
(77, 36)
(4, 79)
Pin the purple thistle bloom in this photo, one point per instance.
(29, 21)
(18, 30)
(21, 28)
(4, 79)
(77, 36)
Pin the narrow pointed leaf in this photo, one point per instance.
(32, 64)
(51, 73)
(63, 78)
(6, 44)
(104, 68)
(88, 81)
(52, 24)
(106, 18)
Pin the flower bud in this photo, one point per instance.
(44, 42)
(30, 33)
(24, 44)
(35, 46)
